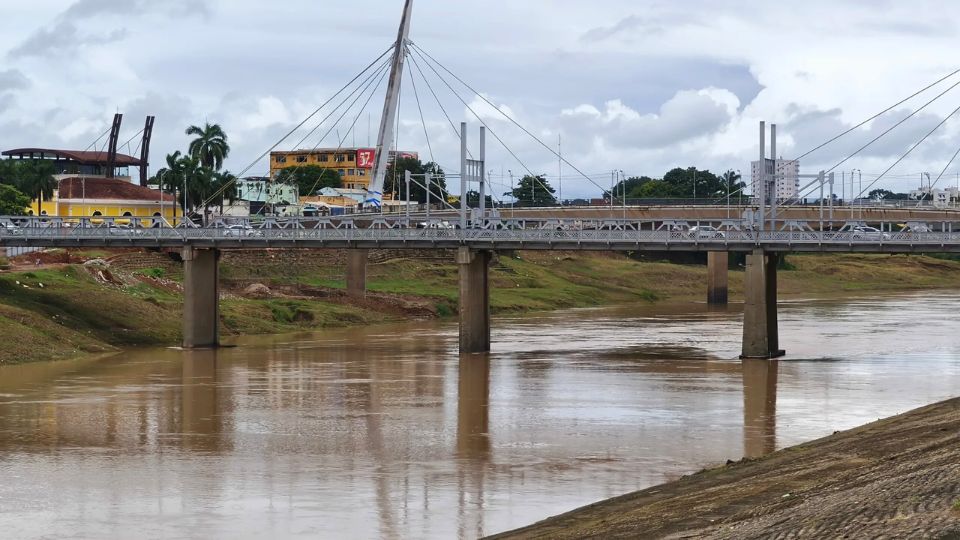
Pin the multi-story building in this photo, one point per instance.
(355, 165)
(787, 173)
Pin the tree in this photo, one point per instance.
(533, 191)
(395, 182)
(732, 182)
(36, 179)
(224, 188)
(473, 199)
(9, 172)
(12, 201)
(694, 183)
(627, 186)
(310, 178)
(210, 145)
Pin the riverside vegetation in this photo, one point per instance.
(66, 308)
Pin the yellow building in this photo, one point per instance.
(107, 197)
(355, 165)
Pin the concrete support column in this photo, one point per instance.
(474, 300)
(357, 272)
(717, 264)
(760, 335)
(201, 295)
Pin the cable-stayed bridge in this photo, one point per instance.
(765, 230)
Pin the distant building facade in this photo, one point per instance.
(787, 174)
(355, 165)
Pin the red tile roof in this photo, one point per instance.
(108, 188)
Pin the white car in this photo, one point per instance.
(705, 232)
(241, 231)
(863, 232)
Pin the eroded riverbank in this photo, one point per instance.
(894, 478)
(67, 309)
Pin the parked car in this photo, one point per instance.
(705, 232)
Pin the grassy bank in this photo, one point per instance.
(73, 309)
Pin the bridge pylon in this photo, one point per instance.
(201, 298)
(474, 306)
(760, 332)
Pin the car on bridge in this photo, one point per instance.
(705, 232)
(241, 231)
(864, 232)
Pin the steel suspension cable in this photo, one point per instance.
(912, 148)
(879, 114)
(305, 120)
(423, 122)
(533, 176)
(880, 136)
(505, 115)
(382, 71)
(456, 131)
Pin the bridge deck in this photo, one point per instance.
(553, 234)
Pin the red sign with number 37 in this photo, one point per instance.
(366, 158)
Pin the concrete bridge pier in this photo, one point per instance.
(357, 272)
(717, 266)
(474, 300)
(760, 334)
(201, 298)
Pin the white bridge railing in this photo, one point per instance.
(558, 233)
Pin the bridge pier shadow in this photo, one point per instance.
(759, 407)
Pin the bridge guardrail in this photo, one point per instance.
(556, 233)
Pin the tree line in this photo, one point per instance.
(22, 181)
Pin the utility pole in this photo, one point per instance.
(560, 167)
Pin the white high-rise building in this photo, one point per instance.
(788, 177)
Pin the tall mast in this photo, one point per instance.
(390, 105)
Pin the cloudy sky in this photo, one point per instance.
(641, 86)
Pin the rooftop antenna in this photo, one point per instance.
(385, 135)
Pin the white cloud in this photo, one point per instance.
(641, 86)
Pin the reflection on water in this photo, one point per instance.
(759, 407)
(386, 432)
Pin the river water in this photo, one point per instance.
(386, 433)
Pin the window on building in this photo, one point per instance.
(281, 159)
(352, 156)
(301, 159)
(324, 158)
(361, 172)
(340, 158)
(351, 172)
(341, 171)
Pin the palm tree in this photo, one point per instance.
(36, 179)
(210, 146)
(225, 188)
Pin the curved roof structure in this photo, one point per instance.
(81, 157)
(109, 189)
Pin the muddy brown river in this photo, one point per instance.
(386, 433)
